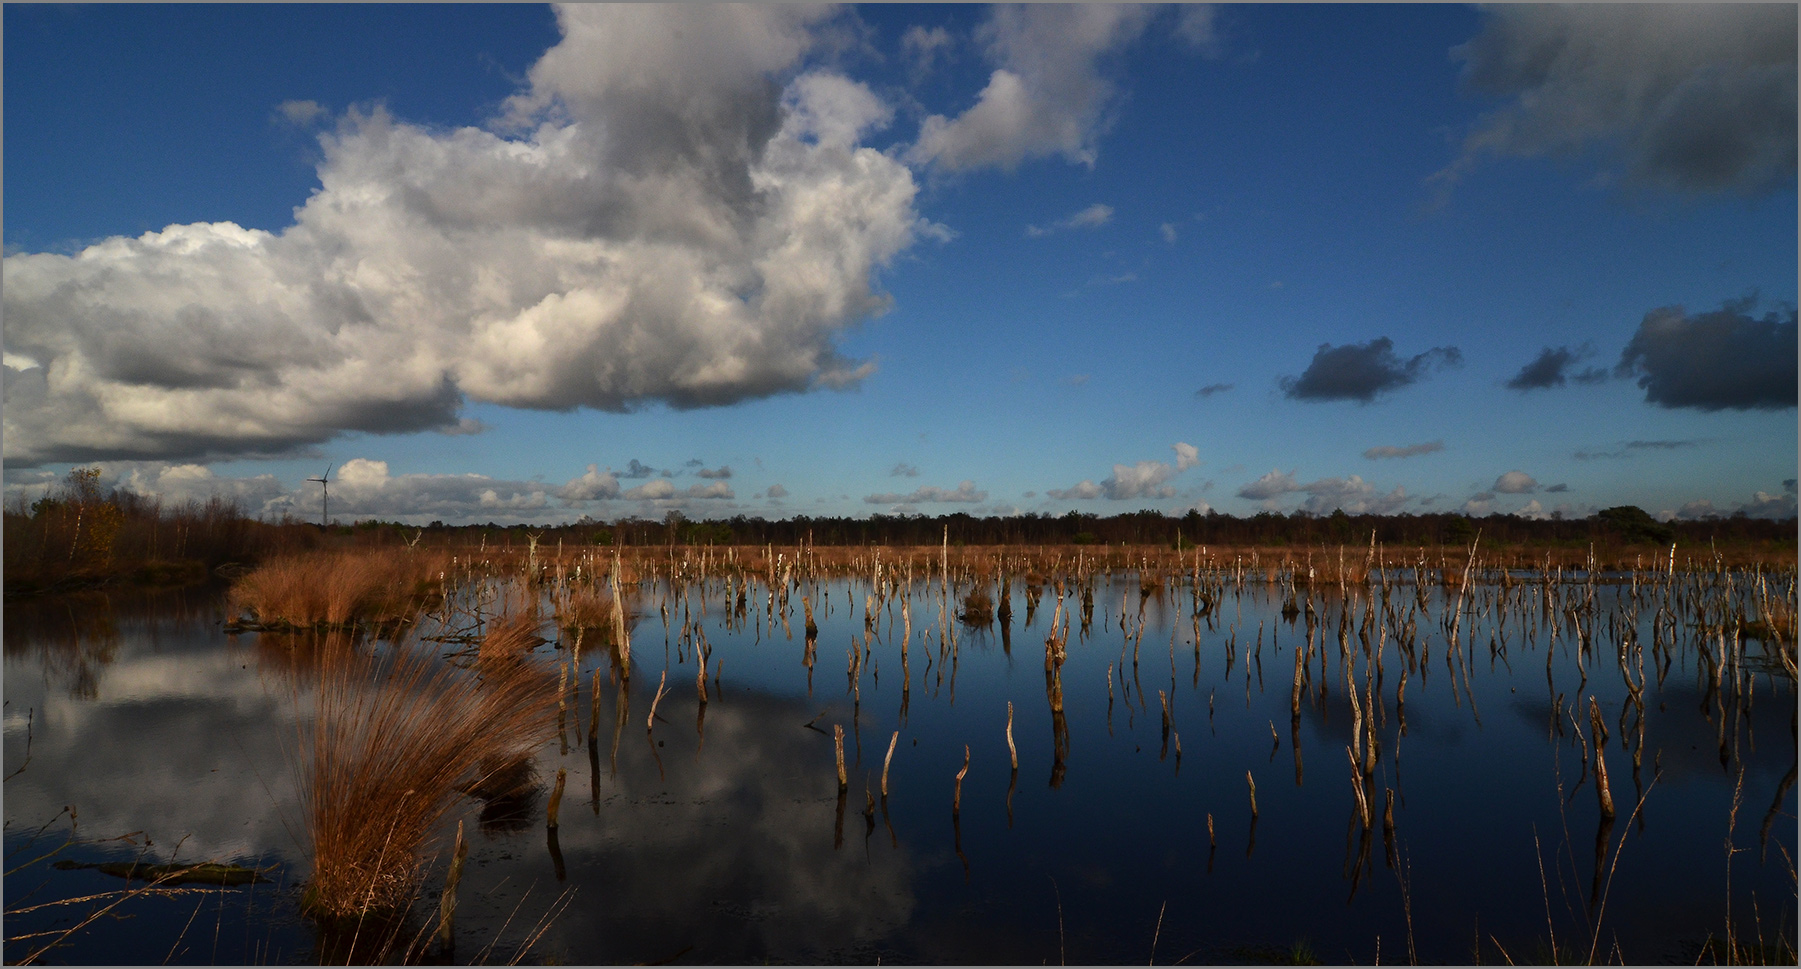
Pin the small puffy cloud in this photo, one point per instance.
(464, 427)
(1551, 369)
(1082, 490)
(1697, 509)
(902, 469)
(1404, 451)
(965, 492)
(1168, 231)
(662, 489)
(721, 472)
(1696, 98)
(1094, 216)
(1720, 360)
(1362, 371)
(651, 490)
(717, 489)
(637, 469)
(1211, 389)
(300, 114)
(776, 491)
(1479, 505)
(1766, 505)
(1046, 96)
(1352, 495)
(1145, 479)
(1533, 510)
(1272, 485)
(1515, 483)
(921, 47)
(1142, 480)
(594, 485)
(1090, 217)
(1197, 24)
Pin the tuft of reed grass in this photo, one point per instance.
(336, 589)
(509, 637)
(978, 608)
(394, 739)
(590, 609)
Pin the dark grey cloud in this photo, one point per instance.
(1211, 389)
(1362, 371)
(1627, 449)
(637, 469)
(1720, 360)
(904, 470)
(1696, 98)
(1559, 487)
(1551, 369)
(1407, 451)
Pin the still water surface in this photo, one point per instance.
(720, 836)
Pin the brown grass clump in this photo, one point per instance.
(335, 588)
(509, 638)
(393, 741)
(978, 607)
(587, 608)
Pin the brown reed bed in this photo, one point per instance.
(338, 589)
(395, 737)
(978, 607)
(589, 609)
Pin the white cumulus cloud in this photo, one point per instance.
(1047, 96)
(674, 209)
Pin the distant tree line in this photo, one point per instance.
(1621, 525)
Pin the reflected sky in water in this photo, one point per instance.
(720, 835)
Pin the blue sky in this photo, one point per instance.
(493, 263)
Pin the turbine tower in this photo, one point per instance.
(325, 498)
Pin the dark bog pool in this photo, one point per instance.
(136, 730)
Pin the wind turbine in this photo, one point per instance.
(325, 500)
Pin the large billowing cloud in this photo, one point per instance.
(1362, 371)
(672, 210)
(1046, 97)
(1721, 360)
(1693, 98)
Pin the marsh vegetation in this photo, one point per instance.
(1092, 754)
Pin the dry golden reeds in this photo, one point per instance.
(978, 608)
(587, 608)
(336, 589)
(393, 740)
